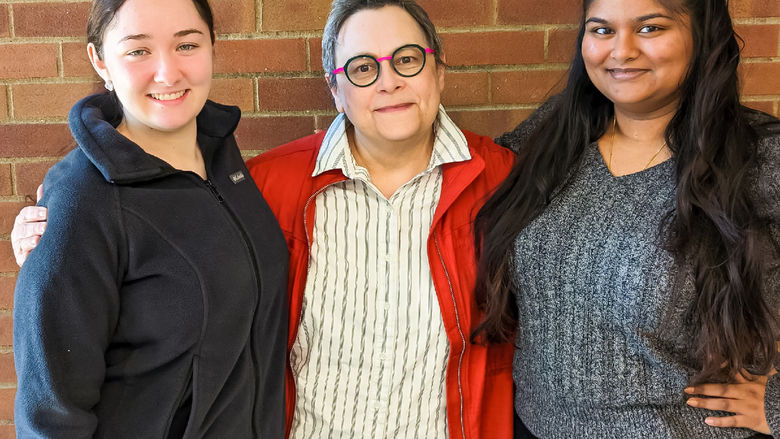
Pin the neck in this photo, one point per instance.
(646, 126)
(178, 148)
(391, 163)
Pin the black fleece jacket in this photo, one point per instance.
(155, 304)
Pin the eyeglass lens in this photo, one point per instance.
(406, 61)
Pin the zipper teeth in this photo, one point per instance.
(253, 256)
(460, 331)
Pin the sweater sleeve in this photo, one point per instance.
(767, 205)
(66, 307)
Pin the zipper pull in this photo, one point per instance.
(214, 190)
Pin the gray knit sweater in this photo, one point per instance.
(604, 344)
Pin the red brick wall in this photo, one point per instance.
(505, 55)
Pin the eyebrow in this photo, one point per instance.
(181, 33)
(637, 20)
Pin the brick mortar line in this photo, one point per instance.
(10, 98)
(52, 80)
(60, 61)
(509, 68)
(761, 60)
(8, 274)
(546, 45)
(6, 350)
(757, 20)
(495, 12)
(256, 94)
(759, 98)
(27, 160)
(493, 107)
(489, 88)
(10, 199)
(14, 179)
(258, 15)
(507, 28)
(307, 52)
(42, 1)
(11, 26)
(8, 103)
(40, 40)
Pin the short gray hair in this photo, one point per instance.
(341, 10)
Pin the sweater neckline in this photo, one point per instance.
(601, 165)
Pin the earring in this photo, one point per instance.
(109, 85)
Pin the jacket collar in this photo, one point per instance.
(93, 122)
(449, 146)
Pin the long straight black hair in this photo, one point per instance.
(712, 225)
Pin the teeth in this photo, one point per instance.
(168, 96)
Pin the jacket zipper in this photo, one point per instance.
(460, 331)
(253, 257)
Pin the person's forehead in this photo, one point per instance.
(156, 18)
(378, 32)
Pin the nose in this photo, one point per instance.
(388, 80)
(168, 71)
(625, 47)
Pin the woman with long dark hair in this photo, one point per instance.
(632, 253)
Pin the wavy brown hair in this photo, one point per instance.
(712, 225)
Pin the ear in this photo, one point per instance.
(335, 93)
(98, 64)
(440, 76)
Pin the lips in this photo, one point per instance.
(165, 97)
(392, 108)
(626, 74)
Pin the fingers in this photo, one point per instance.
(30, 214)
(28, 226)
(715, 390)
(717, 404)
(23, 247)
(739, 421)
(727, 421)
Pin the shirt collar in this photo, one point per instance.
(449, 146)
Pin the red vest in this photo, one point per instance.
(479, 378)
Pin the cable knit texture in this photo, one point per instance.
(604, 341)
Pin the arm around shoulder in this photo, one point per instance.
(66, 307)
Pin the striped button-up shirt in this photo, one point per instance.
(370, 356)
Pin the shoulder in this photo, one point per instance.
(292, 153)
(290, 161)
(766, 169)
(768, 131)
(516, 138)
(495, 156)
(74, 177)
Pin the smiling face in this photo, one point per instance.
(159, 57)
(394, 108)
(637, 52)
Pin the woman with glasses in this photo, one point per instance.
(632, 253)
(378, 211)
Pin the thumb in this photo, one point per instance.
(39, 193)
